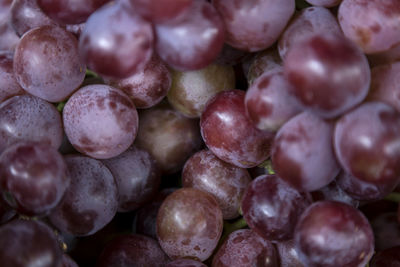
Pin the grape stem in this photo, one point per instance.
(231, 227)
(394, 197)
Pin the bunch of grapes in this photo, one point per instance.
(192, 133)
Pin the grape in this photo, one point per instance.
(29, 118)
(306, 23)
(386, 230)
(244, 248)
(8, 38)
(26, 15)
(185, 263)
(254, 25)
(224, 181)
(372, 24)
(115, 43)
(160, 11)
(329, 74)
(302, 152)
(288, 254)
(325, 3)
(132, 250)
(229, 133)
(148, 87)
(90, 201)
(168, 136)
(33, 177)
(70, 11)
(47, 65)
(389, 258)
(191, 90)
(334, 191)
(100, 121)
(189, 224)
(193, 40)
(268, 102)
(333, 233)
(5, 6)
(385, 84)
(389, 56)
(262, 62)
(366, 144)
(137, 176)
(29, 243)
(8, 84)
(272, 207)
(363, 190)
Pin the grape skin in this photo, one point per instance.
(56, 71)
(100, 121)
(189, 224)
(333, 234)
(90, 201)
(254, 25)
(29, 118)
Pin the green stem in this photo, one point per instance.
(395, 197)
(231, 227)
(90, 73)
(60, 106)
(268, 166)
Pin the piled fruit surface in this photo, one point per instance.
(190, 133)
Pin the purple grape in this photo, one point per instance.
(137, 176)
(302, 152)
(254, 25)
(28, 118)
(230, 134)
(191, 90)
(100, 121)
(168, 136)
(224, 181)
(189, 224)
(134, 251)
(160, 11)
(148, 87)
(90, 201)
(70, 11)
(33, 177)
(244, 248)
(372, 24)
(8, 38)
(116, 43)
(272, 207)
(26, 15)
(366, 144)
(306, 23)
(385, 84)
(185, 263)
(288, 254)
(268, 102)
(193, 40)
(329, 74)
(8, 84)
(56, 70)
(333, 233)
(29, 243)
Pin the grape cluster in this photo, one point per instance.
(192, 133)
